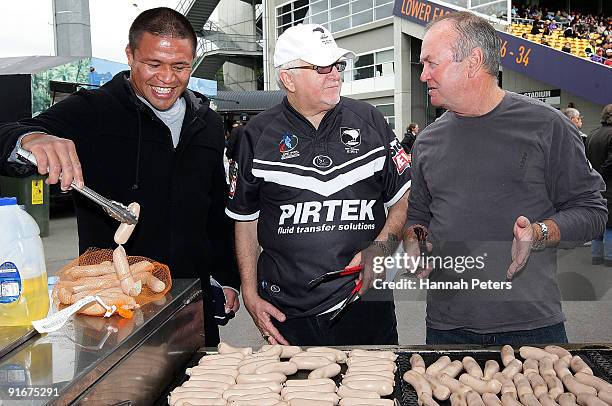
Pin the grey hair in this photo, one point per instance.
(606, 115)
(287, 65)
(473, 32)
(570, 112)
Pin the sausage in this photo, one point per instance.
(219, 362)
(522, 385)
(531, 366)
(225, 348)
(213, 377)
(366, 402)
(287, 368)
(578, 365)
(490, 369)
(417, 363)
(490, 399)
(310, 362)
(458, 399)
(200, 402)
(515, 366)
(308, 382)
(365, 377)
(537, 385)
(453, 369)
(440, 391)
(340, 355)
(507, 355)
(390, 355)
(246, 391)
(576, 387)
(382, 387)
(435, 368)
(536, 353)
(529, 399)
(273, 351)
(250, 359)
(288, 350)
(151, 281)
(356, 360)
(181, 389)
(561, 368)
(328, 371)
(605, 396)
(346, 392)
(555, 386)
(309, 402)
(271, 376)
(326, 396)
(508, 388)
(122, 268)
(595, 382)
(471, 367)
(384, 374)
(508, 400)
(584, 399)
(198, 370)
(270, 401)
(85, 271)
(473, 399)
(389, 366)
(559, 352)
(252, 367)
(273, 386)
(260, 396)
(454, 385)
(547, 400)
(123, 233)
(324, 387)
(205, 384)
(567, 399)
(306, 354)
(174, 396)
(479, 385)
(211, 357)
(419, 383)
(546, 367)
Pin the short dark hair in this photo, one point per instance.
(164, 22)
(473, 32)
(606, 115)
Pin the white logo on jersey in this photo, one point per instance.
(315, 211)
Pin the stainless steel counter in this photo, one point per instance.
(93, 360)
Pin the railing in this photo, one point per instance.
(184, 6)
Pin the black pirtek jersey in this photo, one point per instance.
(319, 196)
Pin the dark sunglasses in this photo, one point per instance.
(323, 70)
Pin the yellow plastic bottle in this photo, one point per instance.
(23, 277)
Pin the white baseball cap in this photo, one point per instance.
(311, 43)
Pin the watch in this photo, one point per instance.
(540, 244)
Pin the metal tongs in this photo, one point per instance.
(349, 270)
(114, 209)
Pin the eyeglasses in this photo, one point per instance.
(324, 70)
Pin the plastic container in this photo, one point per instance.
(23, 277)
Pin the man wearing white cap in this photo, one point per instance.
(314, 175)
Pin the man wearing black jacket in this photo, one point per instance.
(143, 137)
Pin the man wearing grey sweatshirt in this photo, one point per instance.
(498, 182)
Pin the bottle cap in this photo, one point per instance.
(8, 201)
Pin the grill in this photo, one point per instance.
(599, 359)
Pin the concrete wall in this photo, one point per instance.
(591, 112)
(237, 17)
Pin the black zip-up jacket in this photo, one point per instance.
(127, 155)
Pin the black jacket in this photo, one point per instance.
(408, 141)
(127, 155)
(599, 153)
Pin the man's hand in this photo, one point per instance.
(55, 156)
(232, 303)
(262, 312)
(524, 236)
(415, 240)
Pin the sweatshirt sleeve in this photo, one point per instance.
(419, 199)
(573, 185)
(221, 234)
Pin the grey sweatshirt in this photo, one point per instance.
(471, 178)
